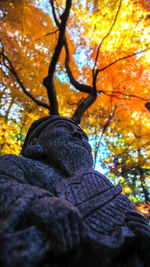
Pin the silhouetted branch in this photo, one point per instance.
(7, 63)
(48, 82)
(79, 86)
(111, 116)
(47, 34)
(99, 47)
(54, 14)
(95, 73)
(86, 102)
(112, 94)
(147, 105)
(90, 90)
(84, 105)
(77, 103)
(122, 58)
(2, 46)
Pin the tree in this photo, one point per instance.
(52, 59)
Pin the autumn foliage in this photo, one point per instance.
(89, 60)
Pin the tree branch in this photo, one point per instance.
(84, 105)
(147, 105)
(54, 14)
(7, 63)
(99, 47)
(47, 34)
(91, 90)
(86, 102)
(48, 82)
(79, 86)
(122, 58)
(111, 116)
(2, 46)
(112, 94)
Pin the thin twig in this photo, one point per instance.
(47, 34)
(99, 47)
(122, 58)
(111, 116)
(112, 93)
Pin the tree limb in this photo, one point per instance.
(122, 58)
(79, 86)
(47, 34)
(147, 105)
(84, 105)
(99, 47)
(112, 94)
(91, 90)
(111, 116)
(86, 102)
(48, 82)
(7, 63)
(54, 14)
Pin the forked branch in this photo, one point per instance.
(79, 86)
(86, 102)
(90, 90)
(92, 94)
